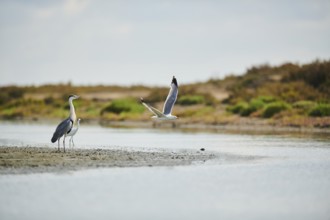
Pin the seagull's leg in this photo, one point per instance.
(173, 125)
(71, 141)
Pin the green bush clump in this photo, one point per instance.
(320, 110)
(273, 108)
(123, 105)
(191, 100)
(245, 109)
(266, 99)
(304, 105)
(254, 105)
(238, 108)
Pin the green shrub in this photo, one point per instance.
(248, 110)
(273, 108)
(191, 100)
(245, 109)
(238, 108)
(254, 105)
(123, 105)
(304, 104)
(320, 110)
(266, 99)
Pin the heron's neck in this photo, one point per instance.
(73, 116)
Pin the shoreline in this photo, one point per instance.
(243, 125)
(237, 127)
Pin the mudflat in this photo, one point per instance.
(21, 160)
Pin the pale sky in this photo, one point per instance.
(148, 41)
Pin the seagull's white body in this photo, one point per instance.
(168, 105)
(165, 117)
(73, 131)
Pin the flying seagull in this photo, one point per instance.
(168, 105)
(73, 132)
(66, 125)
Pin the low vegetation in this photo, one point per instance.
(289, 94)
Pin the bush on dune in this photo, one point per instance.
(247, 108)
(123, 105)
(238, 108)
(191, 100)
(273, 108)
(321, 110)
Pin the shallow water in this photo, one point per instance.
(292, 181)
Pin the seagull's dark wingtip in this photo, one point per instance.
(174, 81)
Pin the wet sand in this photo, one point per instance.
(21, 160)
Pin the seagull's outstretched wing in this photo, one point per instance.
(64, 127)
(171, 97)
(152, 109)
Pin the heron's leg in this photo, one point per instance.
(72, 141)
(64, 143)
(58, 141)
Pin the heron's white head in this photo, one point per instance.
(73, 97)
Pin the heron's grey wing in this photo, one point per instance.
(64, 127)
(152, 109)
(170, 100)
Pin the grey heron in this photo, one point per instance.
(168, 105)
(66, 125)
(73, 132)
